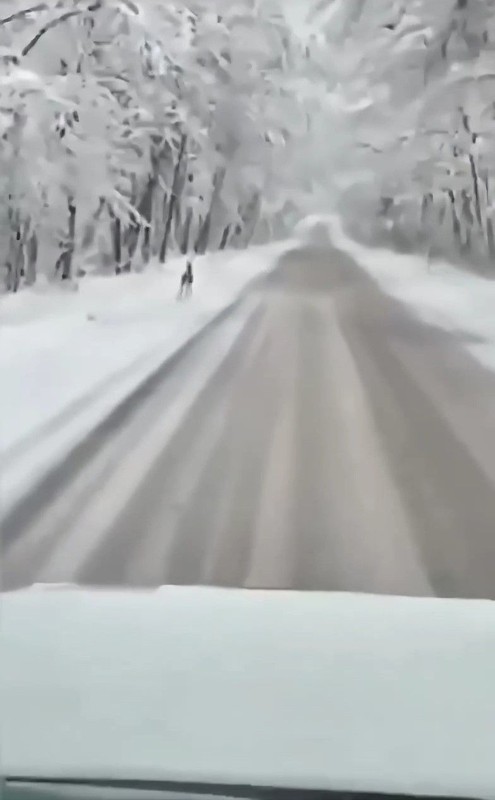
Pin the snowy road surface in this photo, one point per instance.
(337, 444)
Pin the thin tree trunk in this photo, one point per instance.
(477, 203)
(187, 232)
(164, 218)
(466, 244)
(252, 217)
(204, 234)
(131, 240)
(474, 172)
(442, 211)
(65, 260)
(467, 214)
(424, 208)
(173, 200)
(490, 238)
(205, 230)
(15, 262)
(90, 229)
(456, 227)
(117, 243)
(146, 248)
(31, 259)
(225, 237)
(146, 211)
(490, 241)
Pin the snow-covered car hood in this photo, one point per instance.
(268, 688)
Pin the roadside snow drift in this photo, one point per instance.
(68, 358)
(304, 690)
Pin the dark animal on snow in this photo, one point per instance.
(186, 281)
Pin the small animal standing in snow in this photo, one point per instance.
(186, 281)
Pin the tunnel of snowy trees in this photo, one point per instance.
(132, 129)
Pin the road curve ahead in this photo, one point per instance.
(339, 444)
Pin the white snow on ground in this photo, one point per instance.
(273, 688)
(67, 358)
(440, 294)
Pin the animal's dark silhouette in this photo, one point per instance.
(186, 281)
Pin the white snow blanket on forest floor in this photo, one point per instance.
(69, 357)
(303, 690)
(439, 293)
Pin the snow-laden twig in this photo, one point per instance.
(23, 13)
(58, 21)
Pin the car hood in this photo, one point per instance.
(325, 691)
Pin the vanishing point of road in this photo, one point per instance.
(318, 437)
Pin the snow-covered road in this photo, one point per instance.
(338, 444)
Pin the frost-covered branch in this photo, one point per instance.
(58, 21)
(23, 13)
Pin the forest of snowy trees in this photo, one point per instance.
(135, 128)
(415, 118)
(131, 128)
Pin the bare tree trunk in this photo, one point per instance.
(472, 163)
(490, 241)
(468, 219)
(117, 243)
(187, 232)
(251, 218)
(225, 237)
(456, 228)
(146, 247)
(173, 200)
(476, 187)
(442, 211)
(64, 261)
(424, 208)
(90, 229)
(131, 239)
(31, 259)
(466, 244)
(146, 211)
(67, 269)
(490, 238)
(205, 230)
(165, 202)
(15, 262)
(204, 234)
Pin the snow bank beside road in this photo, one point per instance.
(441, 295)
(67, 358)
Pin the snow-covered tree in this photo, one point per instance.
(132, 127)
(412, 92)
